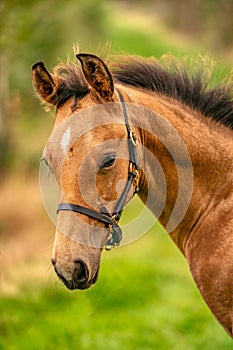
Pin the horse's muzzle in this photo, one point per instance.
(80, 277)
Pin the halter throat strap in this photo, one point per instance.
(115, 236)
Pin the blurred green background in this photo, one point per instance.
(145, 297)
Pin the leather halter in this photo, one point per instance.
(115, 235)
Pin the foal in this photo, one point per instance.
(183, 132)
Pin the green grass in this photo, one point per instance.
(144, 299)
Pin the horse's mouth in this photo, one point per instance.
(71, 285)
(78, 284)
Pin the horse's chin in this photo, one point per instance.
(74, 284)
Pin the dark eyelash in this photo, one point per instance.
(50, 174)
(108, 161)
(44, 160)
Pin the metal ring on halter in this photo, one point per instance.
(133, 138)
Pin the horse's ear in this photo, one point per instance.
(46, 84)
(97, 75)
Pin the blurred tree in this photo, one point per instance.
(210, 21)
(38, 30)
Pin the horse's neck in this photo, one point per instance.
(171, 135)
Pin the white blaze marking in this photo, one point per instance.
(65, 140)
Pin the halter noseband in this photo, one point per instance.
(115, 235)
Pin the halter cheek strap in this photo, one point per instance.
(115, 235)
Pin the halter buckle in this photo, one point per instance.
(114, 219)
(134, 171)
(115, 236)
(132, 137)
(136, 181)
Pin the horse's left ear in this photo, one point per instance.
(97, 75)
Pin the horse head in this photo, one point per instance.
(88, 152)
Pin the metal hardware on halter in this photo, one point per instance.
(115, 235)
(136, 181)
(133, 138)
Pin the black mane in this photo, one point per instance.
(169, 78)
(174, 81)
(73, 83)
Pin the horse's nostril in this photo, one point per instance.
(80, 272)
(53, 261)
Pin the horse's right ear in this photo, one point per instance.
(46, 84)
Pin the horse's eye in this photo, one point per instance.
(108, 161)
